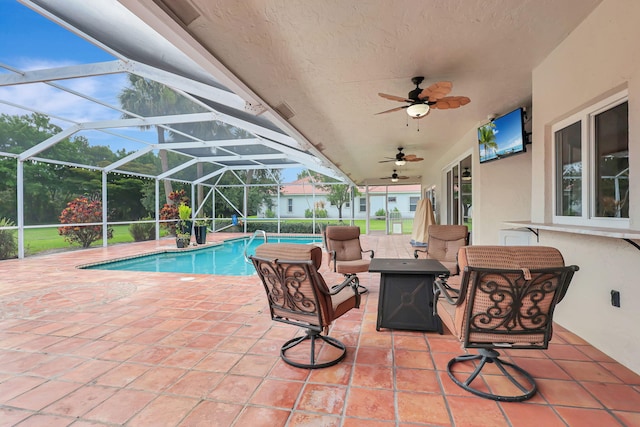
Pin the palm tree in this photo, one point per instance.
(149, 98)
(487, 138)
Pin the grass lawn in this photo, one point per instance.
(47, 239)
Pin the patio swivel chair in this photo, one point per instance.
(443, 242)
(342, 243)
(299, 296)
(506, 300)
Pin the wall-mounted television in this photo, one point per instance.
(502, 137)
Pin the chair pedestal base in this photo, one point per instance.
(313, 364)
(520, 378)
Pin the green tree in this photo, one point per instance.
(149, 98)
(337, 194)
(487, 138)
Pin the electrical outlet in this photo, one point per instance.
(615, 298)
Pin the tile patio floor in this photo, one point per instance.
(108, 348)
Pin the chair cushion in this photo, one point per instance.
(343, 301)
(344, 240)
(290, 252)
(510, 257)
(351, 267)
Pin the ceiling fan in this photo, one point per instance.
(394, 177)
(402, 158)
(421, 101)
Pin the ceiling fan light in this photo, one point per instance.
(417, 110)
(394, 179)
(401, 162)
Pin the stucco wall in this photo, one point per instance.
(598, 58)
(501, 188)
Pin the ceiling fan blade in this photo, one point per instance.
(394, 98)
(451, 102)
(403, 177)
(385, 161)
(436, 91)
(413, 158)
(391, 110)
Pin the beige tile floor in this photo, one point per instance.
(107, 348)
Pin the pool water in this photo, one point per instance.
(225, 259)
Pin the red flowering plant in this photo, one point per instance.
(79, 210)
(170, 210)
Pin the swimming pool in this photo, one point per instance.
(223, 259)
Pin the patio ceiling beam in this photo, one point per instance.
(257, 129)
(141, 152)
(62, 73)
(177, 168)
(48, 143)
(209, 176)
(174, 81)
(252, 157)
(149, 121)
(206, 144)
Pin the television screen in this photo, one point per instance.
(502, 137)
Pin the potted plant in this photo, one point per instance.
(200, 230)
(184, 224)
(183, 240)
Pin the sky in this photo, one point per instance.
(30, 41)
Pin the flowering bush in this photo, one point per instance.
(170, 210)
(79, 210)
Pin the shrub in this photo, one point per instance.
(320, 213)
(381, 212)
(79, 210)
(141, 231)
(170, 210)
(8, 243)
(184, 212)
(270, 214)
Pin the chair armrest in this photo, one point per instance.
(440, 287)
(415, 253)
(332, 257)
(350, 280)
(370, 253)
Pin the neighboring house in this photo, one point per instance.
(301, 195)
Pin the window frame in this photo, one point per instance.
(362, 205)
(413, 203)
(586, 117)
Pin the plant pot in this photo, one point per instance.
(201, 234)
(185, 226)
(183, 242)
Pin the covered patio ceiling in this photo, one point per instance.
(303, 77)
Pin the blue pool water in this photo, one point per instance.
(224, 259)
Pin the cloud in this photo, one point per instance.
(52, 101)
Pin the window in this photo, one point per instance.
(413, 203)
(391, 199)
(591, 150)
(459, 192)
(289, 205)
(363, 204)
